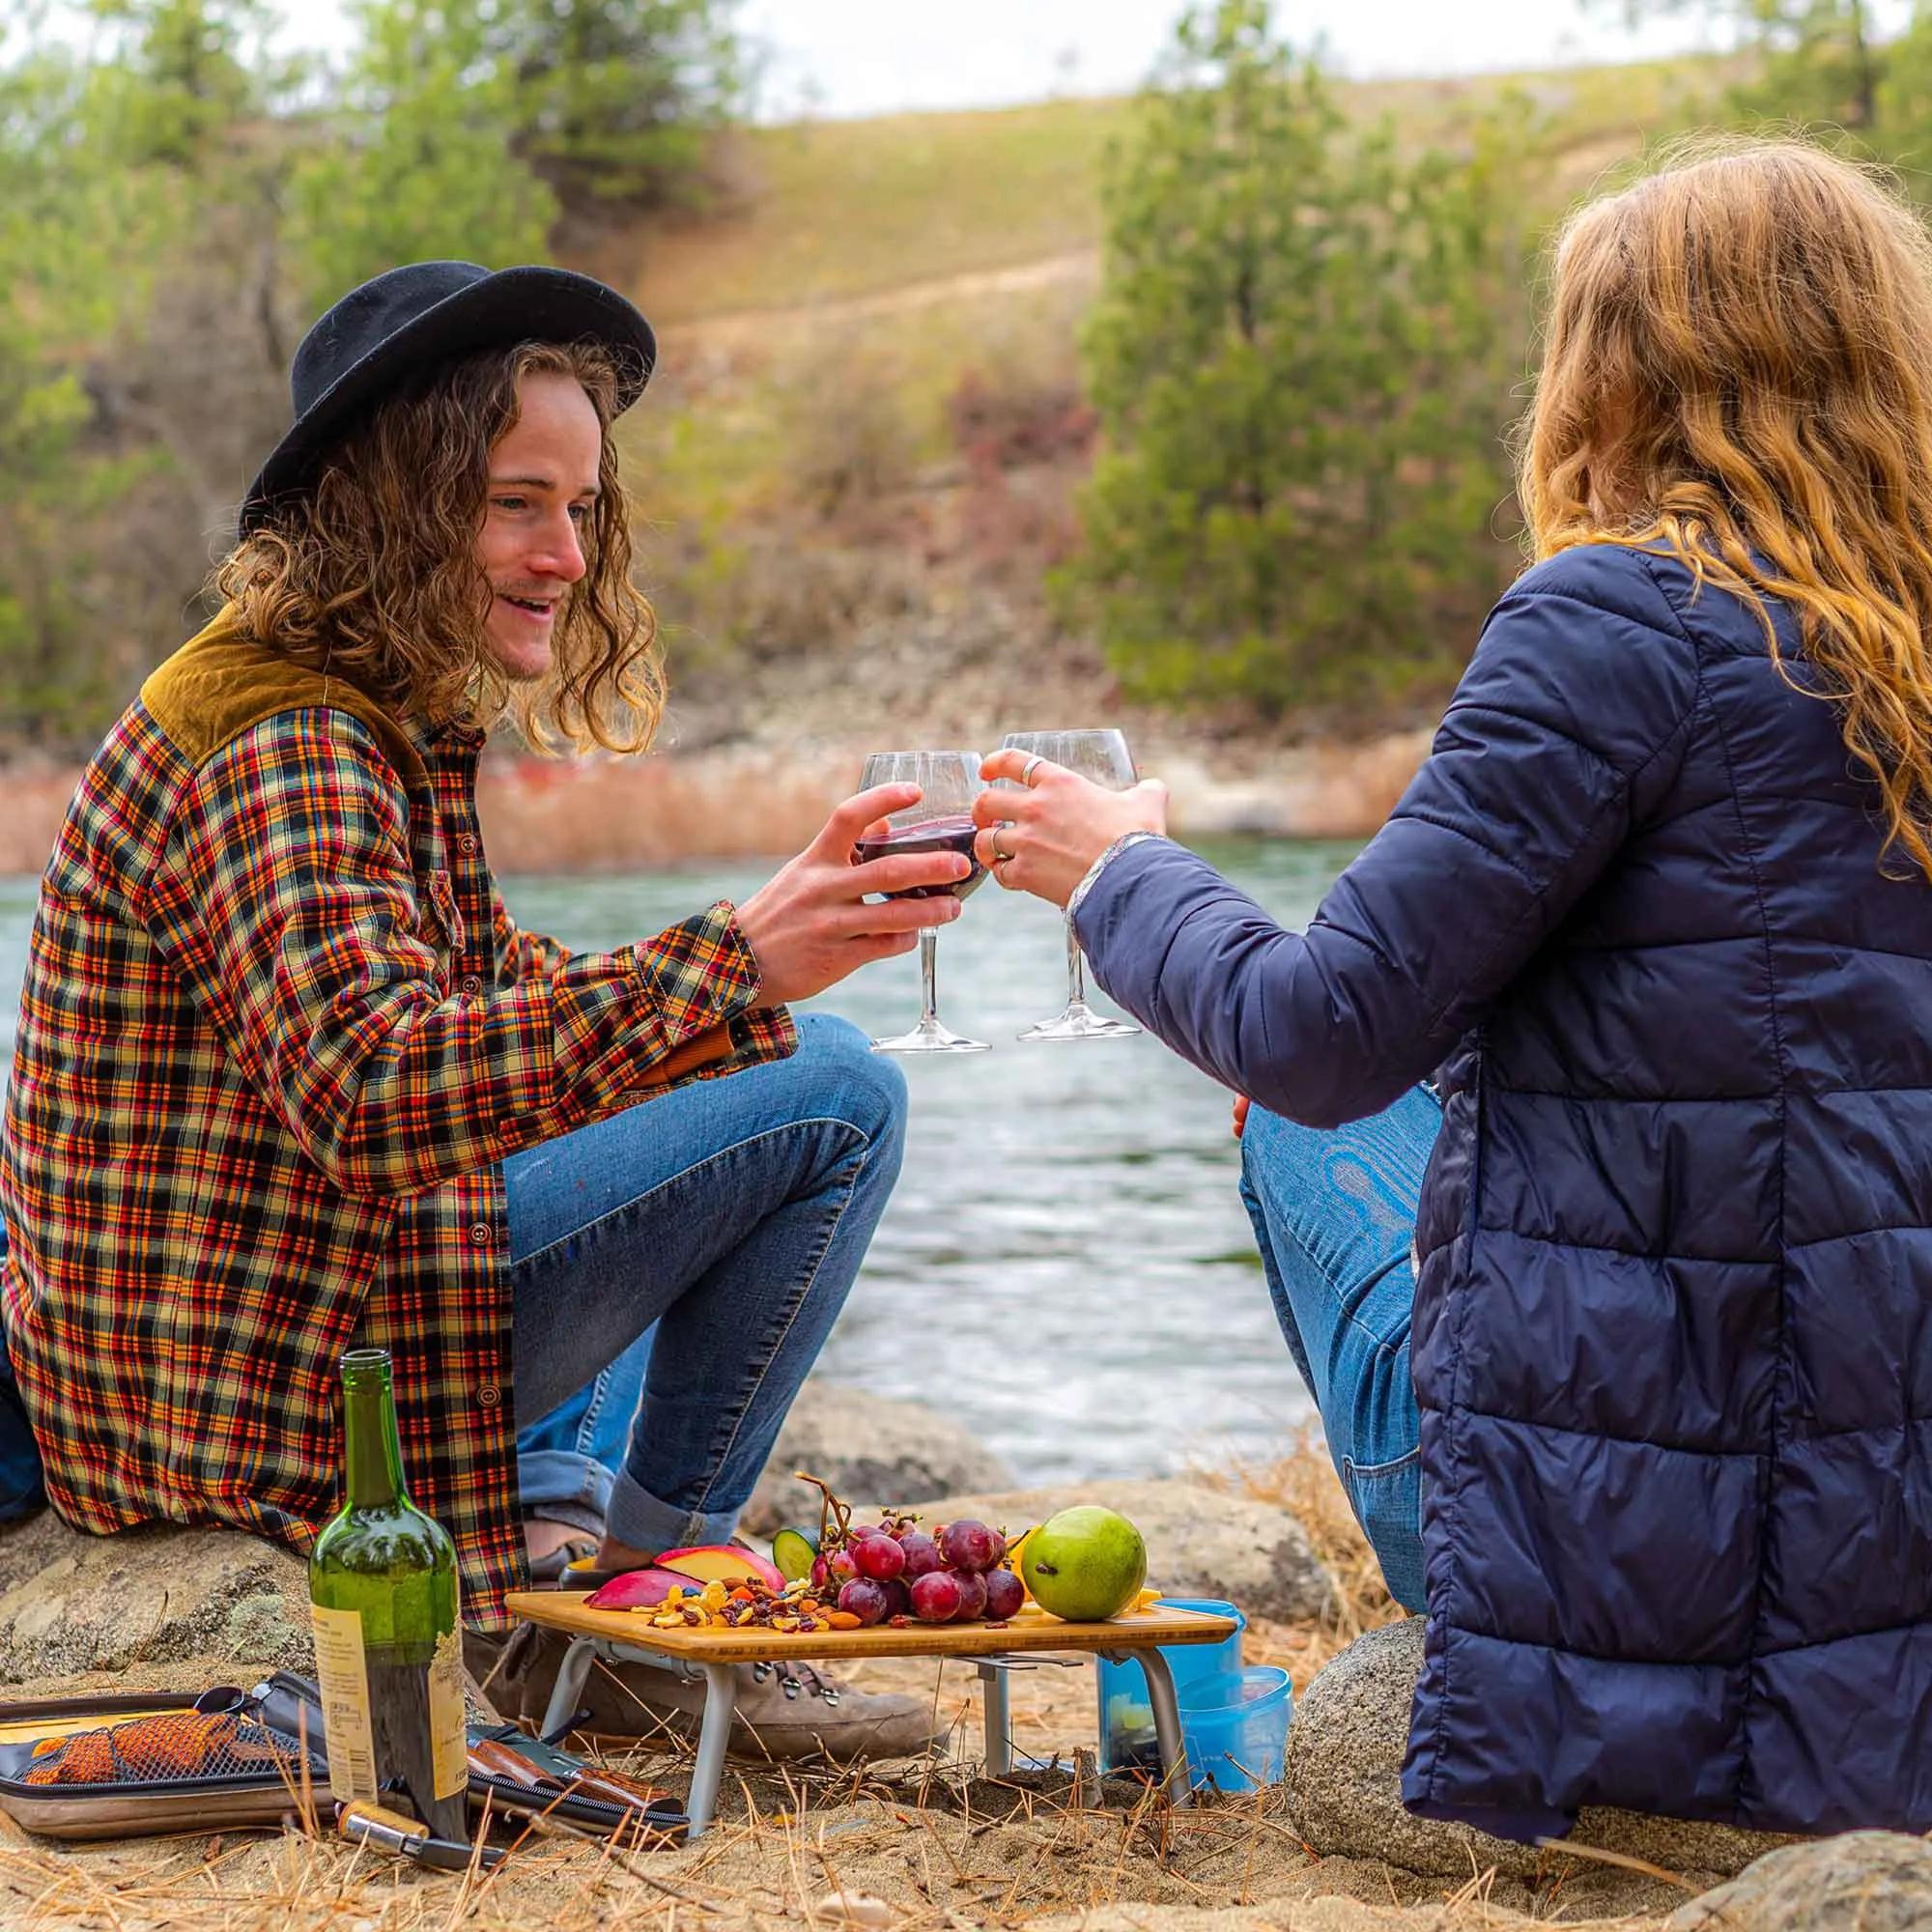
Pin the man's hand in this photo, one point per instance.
(1043, 838)
(811, 926)
(1241, 1104)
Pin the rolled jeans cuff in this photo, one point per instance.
(636, 1518)
(562, 1486)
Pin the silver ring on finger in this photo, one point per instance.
(1027, 769)
(999, 858)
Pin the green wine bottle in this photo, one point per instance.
(382, 1585)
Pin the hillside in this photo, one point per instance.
(859, 461)
(822, 213)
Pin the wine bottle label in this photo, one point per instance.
(342, 1670)
(449, 1744)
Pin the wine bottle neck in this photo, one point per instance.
(373, 1451)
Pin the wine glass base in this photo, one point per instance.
(1080, 1023)
(924, 1038)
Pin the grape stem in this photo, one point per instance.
(835, 1518)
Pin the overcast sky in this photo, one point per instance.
(878, 56)
(845, 57)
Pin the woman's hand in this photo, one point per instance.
(1043, 839)
(811, 926)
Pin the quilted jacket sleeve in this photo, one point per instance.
(1573, 711)
(287, 900)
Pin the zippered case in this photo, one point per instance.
(118, 1767)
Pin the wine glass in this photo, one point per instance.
(942, 821)
(1101, 755)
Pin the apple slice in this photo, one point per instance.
(638, 1590)
(722, 1563)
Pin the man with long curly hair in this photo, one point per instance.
(289, 1078)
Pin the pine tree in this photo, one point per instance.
(1302, 360)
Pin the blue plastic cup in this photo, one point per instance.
(1235, 1727)
(1127, 1740)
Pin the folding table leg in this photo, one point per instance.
(998, 1718)
(1174, 1768)
(721, 1701)
(567, 1693)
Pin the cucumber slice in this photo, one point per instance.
(793, 1551)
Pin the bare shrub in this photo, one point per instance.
(851, 442)
(1012, 419)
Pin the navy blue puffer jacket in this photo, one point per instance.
(1672, 1336)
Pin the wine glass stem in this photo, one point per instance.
(928, 976)
(1076, 970)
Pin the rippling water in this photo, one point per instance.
(1064, 1264)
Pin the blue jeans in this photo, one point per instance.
(1334, 1213)
(675, 1270)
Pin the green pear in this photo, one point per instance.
(1084, 1564)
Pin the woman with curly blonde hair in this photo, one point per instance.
(1590, 1150)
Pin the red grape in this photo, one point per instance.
(971, 1594)
(936, 1597)
(865, 1598)
(922, 1554)
(898, 1598)
(839, 1568)
(877, 1555)
(967, 1545)
(1004, 1594)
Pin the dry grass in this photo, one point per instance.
(1303, 1482)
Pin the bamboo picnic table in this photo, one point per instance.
(627, 1637)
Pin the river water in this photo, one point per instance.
(1064, 1266)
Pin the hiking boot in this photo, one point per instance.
(783, 1709)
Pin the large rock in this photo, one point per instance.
(1200, 1542)
(1343, 1777)
(865, 1446)
(72, 1604)
(1870, 1881)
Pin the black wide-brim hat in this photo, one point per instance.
(389, 329)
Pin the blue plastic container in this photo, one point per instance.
(1235, 1727)
(1127, 1741)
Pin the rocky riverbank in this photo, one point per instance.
(753, 800)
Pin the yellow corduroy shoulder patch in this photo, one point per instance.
(221, 683)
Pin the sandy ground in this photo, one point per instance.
(924, 1847)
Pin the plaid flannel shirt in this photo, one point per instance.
(277, 1035)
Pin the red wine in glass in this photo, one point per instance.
(940, 821)
(936, 835)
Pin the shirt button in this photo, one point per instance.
(467, 844)
(482, 1235)
(472, 985)
(489, 1395)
